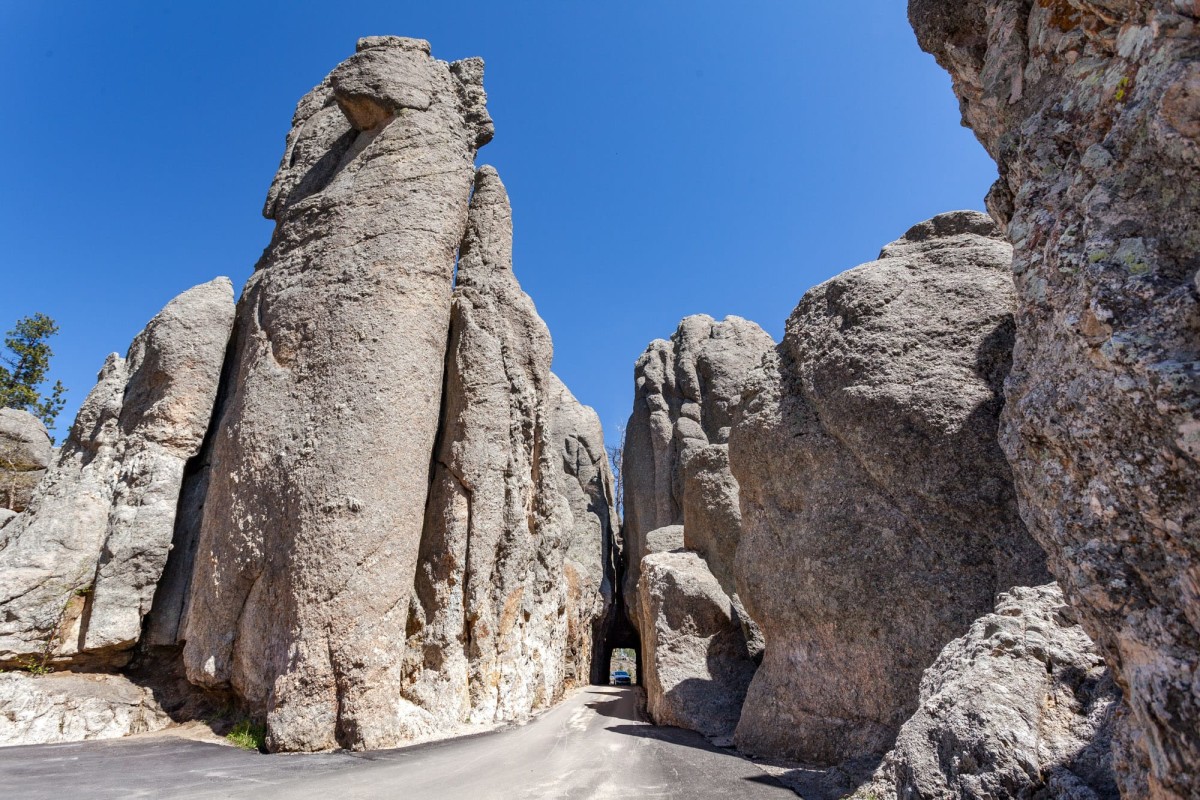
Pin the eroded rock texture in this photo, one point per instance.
(684, 396)
(25, 453)
(695, 655)
(586, 482)
(1021, 706)
(1092, 112)
(676, 471)
(308, 548)
(496, 626)
(879, 517)
(74, 707)
(81, 563)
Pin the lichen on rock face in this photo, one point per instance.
(1020, 706)
(878, 513)
(1091, 112)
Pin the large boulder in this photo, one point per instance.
(74, 707)
(1020, 706)
(25, 453)
(1092, 113)
(320, 467)
(696, 660)
(82, 562)
(878, 514)
(586, 482)
(490, 636)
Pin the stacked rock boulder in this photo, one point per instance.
(879, 518)
(1092, 113)
(699, 647)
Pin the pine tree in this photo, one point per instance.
(27, 364)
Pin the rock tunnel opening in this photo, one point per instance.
(620, 635)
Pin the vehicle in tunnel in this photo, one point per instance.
(621, 678)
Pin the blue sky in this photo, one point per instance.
(663, 158)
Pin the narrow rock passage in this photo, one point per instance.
(593, 745)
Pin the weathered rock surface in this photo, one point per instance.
(696, 661)
(73, 707)
(311, 528)
(1092, 112)
(25, 452)
(676, 471)
(81, 563)
(586, 481)
(878, 513)
(1021, 706)
(490, 637)
(686, 390)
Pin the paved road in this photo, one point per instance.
(593, 745)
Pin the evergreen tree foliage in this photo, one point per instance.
(25, 368)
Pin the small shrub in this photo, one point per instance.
(35, 666)
(248, 736)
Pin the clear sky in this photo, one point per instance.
(663, 158)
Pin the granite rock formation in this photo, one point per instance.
(696, 659)
(1092, 113)
(878, 513)
(74, 707)
(501, 615)
(25, 453)
(308, 547)
(81, 563)
(685, 393)
(680, 495)
(1021, 706)
(586, 482)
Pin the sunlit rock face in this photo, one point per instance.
(1021, 705)
(320, 465)
(1092, 113)
(25, 453)
(400, 525)
(700, 648)
(878, 513)
(81, 563)
(503, 616)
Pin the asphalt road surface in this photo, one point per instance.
(593, 745)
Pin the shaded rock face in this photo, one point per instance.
(1092, 113)
(81, 563)
(1021, 706)
(686, 390)
(74, 707)
(676, 471)
(696, 659)
(502, 619)
(308, 547)
(25, 452)
(878, 513)
(586, 482)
